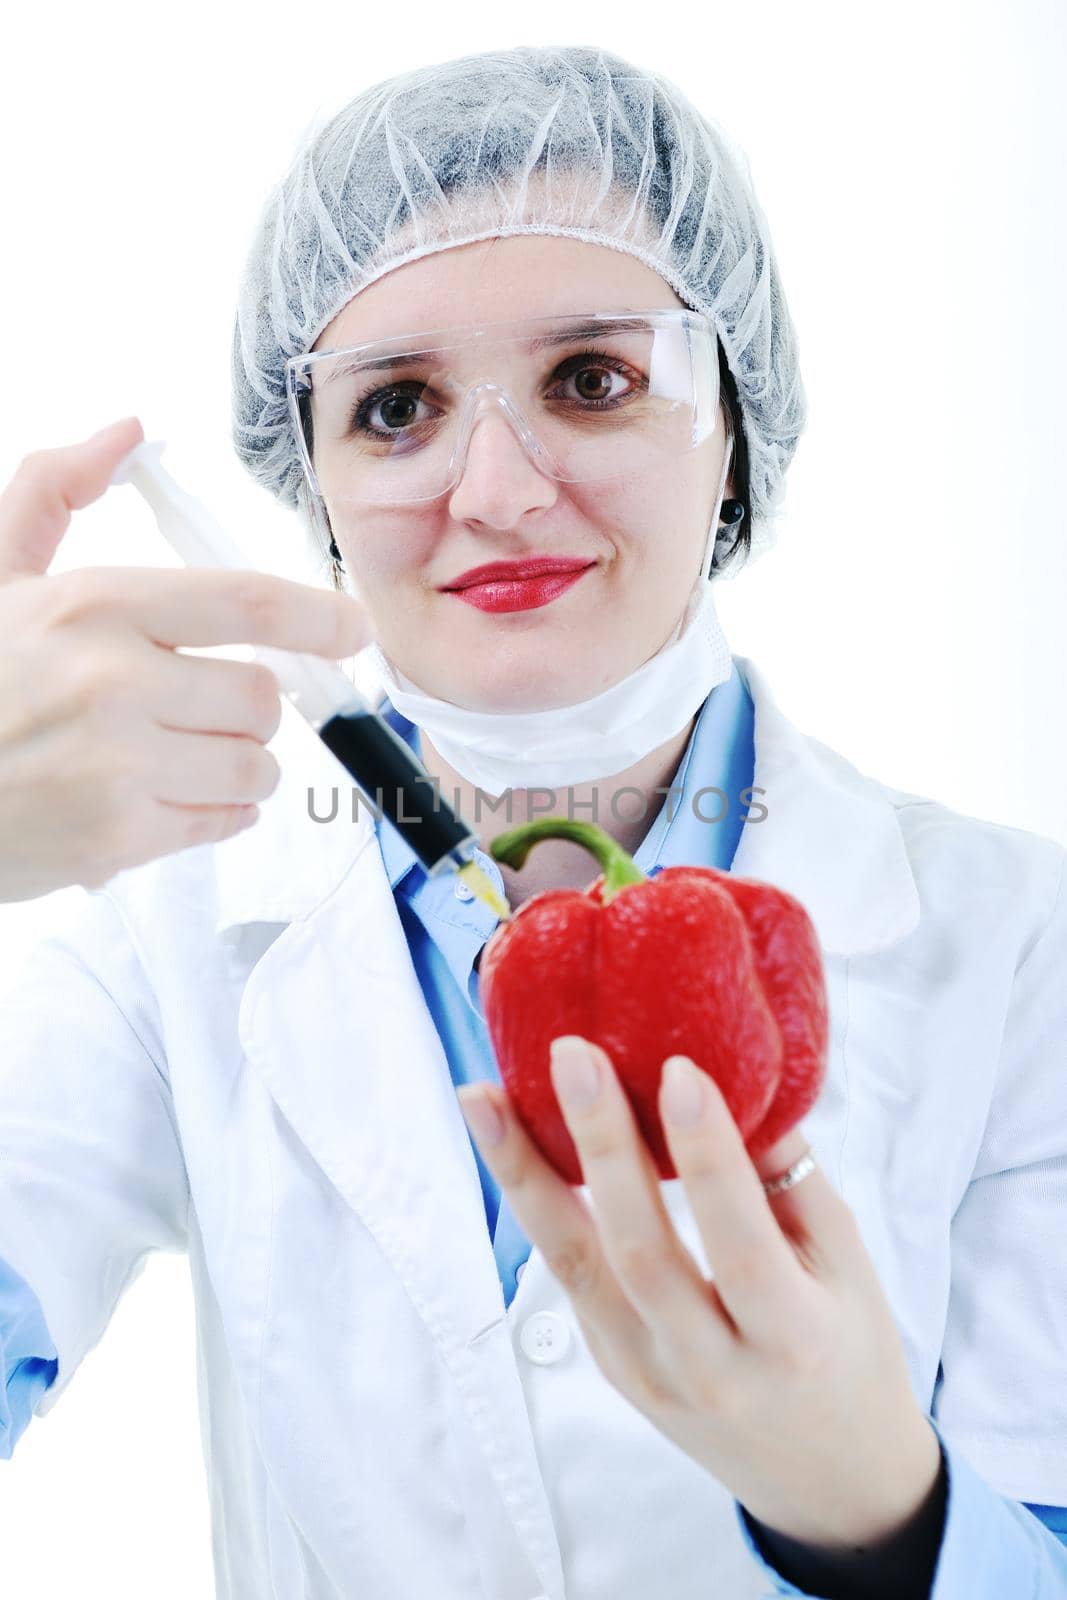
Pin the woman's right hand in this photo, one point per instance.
(114, 747)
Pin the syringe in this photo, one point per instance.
(385, 768)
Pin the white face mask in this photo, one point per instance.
(597, 738)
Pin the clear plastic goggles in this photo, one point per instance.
(591, 397)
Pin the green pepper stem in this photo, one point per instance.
(615, 863)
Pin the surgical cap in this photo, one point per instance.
(570, 140)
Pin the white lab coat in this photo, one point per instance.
(232, 1055)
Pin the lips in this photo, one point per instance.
(515, 571)
(523, 594)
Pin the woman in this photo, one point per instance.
(428, 1364)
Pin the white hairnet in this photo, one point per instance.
(538, 139)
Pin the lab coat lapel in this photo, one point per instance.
(830, 837)
(334, 1021)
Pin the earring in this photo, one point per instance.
(731, 513)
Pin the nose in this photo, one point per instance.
(498, 481)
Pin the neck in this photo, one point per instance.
(560, 863)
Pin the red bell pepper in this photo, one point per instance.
(694, 962)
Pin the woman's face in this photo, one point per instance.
(645, 536)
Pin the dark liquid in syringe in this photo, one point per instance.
(385, 769)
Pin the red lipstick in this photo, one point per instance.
(518, 585)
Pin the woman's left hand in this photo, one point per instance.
(783, 1375)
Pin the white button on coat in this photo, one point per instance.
(545, 1338)
(229, 1054)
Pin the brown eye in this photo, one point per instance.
(593, 383)
(398, 410)
(592, 372)
(388, 413)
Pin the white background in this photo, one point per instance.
(911, 162)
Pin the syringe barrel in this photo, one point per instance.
(391, 775)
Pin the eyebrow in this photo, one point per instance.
(594, 327)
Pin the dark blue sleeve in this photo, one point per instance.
(28, 1358)
(988, 1546)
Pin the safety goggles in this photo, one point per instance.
(591, 397)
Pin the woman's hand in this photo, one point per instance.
(115, 748)
(783, 1375)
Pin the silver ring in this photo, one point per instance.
(793, 1174)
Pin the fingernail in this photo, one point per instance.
(112, 427)
(482, 1118)
(574, 1071)
(683, 1092)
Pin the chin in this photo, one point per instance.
(511, 676)
(510, 688)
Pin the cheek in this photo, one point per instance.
(386, 549)
(657, 524)
(625, 522)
